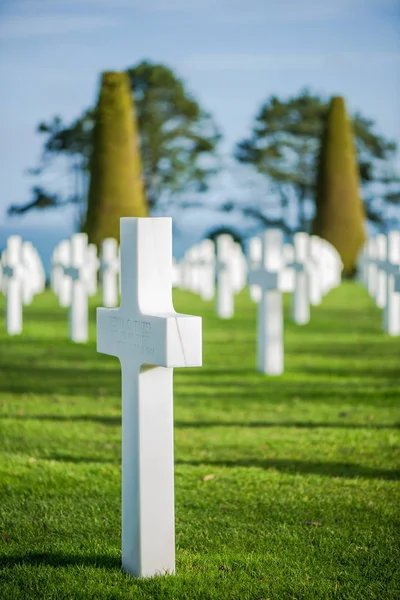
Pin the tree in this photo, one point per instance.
(116, 185)
(340, 215)
(178, 138)
(284, 145)
(178, 142)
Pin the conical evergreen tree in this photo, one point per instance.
(116, 186)
(339, 214)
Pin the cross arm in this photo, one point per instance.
(165, 340)
(264, 279)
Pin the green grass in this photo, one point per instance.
(304, 502)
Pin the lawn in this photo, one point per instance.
(285, 487)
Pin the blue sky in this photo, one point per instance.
(233, 54)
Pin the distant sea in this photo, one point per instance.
(45, 239)
(189, 232)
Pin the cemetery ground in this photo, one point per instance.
(285, 487)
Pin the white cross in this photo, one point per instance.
(371, 270)
(270, 315)
(186, 271)
(238, 266)
(331, 266)
(177, 271)
(40, 280)
(254, 260)
(110, 267)
(381, 266)
(28, 285)
(315, 279)
(35, 279)
(79, 270)
(207, 270)
(300, 299)
(60, 283)
(225, 291)
(13, 275)
(149, 338)
(193, 256)
(92, 264)
(391, 312)
(287, 275)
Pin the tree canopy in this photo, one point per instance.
(284, 144)
(340, 216)
(178, 142)
(116, 185)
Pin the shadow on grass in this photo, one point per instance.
(350, 350)
(59, 559)
(284, 424)
(51, 313)
(306, 367)
(371, 372)
(115, 420)
(100, 419)
(107, 382)
(298, 467)
(104, 379)
(49, 350)
(291, 467)
(50, 380)
(274, 394)
(68, 458)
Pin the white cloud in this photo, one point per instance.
(248, 62)
(230, 11)
(146, 5)
(18, 27)
(274, 62)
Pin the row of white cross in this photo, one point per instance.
(74, 273)
(21, 277)
(308, 269)
(225, 273)
(379, 271)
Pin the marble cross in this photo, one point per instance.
(331, 266)
(60, 283)
(150, 339)
(371, 267)
(238, 266)
(186, 271)
(35, 280)
(207, 269)
(315, 279)
(79, 270)
(391, 312)
(109, 272)
(176, 273)
(382, 263)
(287, 275)
(194, 259)
(225, 291)
(270, 314)
(93, 265)
(301, 294)
(13, 278)
(254, 261)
